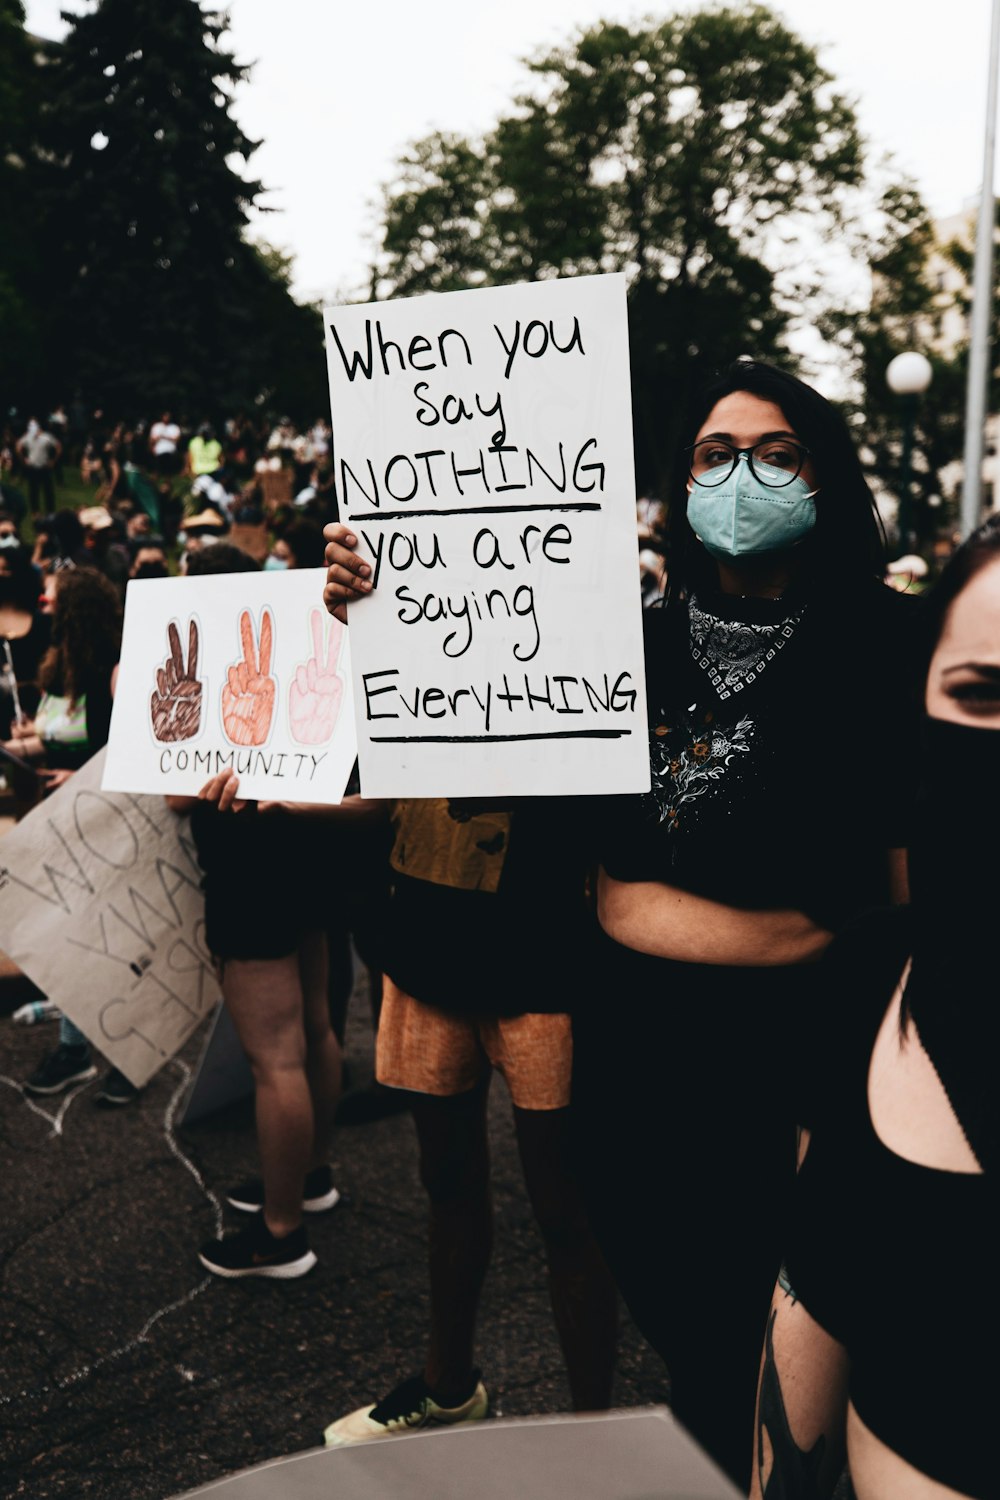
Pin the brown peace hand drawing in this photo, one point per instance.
(175, 707)
(317, 692)
(248, 695)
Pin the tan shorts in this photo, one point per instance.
(433, 1052)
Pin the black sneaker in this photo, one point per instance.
(62, 1069)
(116, 1089)
(255, 1251)
(318, 1193)
(375, 1102)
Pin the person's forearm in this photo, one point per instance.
(28, 747)
(357, 811)
(667, 922)
(899, 878)
(180, 805)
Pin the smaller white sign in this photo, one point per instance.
(241, 670)
(101, 906)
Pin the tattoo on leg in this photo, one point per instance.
(786, 1285)
(795, 1474)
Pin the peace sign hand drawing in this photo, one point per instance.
(248, 694)
(175, 707)
(316, 695)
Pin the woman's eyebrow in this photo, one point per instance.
(984, 668)
(765, 437)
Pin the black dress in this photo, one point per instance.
(779, 735)
(897, 1261)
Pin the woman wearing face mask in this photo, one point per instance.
(779, 688)
(777, 679)
(300, 545)
(883, 1324)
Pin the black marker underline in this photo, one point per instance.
(470, 510)
(482, 739)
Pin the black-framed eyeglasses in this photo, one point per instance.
(775, 462)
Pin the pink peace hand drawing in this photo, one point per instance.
(316, 695)
(248, 694)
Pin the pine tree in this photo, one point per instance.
(157, 297)
(20, 92)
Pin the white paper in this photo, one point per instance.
(241, 670)
(101, 906)
(483, 457)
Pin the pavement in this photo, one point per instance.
(128, 1374)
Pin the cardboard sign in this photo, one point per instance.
(101, 905)
(242, 670)
(483, 459)
(223, 1075)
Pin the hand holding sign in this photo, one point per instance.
(348, 576)
(317, 693)
(248, 696)
(175, 707)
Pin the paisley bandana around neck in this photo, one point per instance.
(733, 653)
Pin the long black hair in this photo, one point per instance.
(846, 546)
(23, 581)
(975, 553)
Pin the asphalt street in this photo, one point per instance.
(127, 1374)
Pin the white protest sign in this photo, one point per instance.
(101, 905)
(241, 670)
(483, 458)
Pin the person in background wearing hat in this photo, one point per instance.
(202, 530)
(102, 549)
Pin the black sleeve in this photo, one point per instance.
(897, 710)
(843, 1005)
(98, 715)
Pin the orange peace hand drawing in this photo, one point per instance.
(315, 697)
(175, 707)
(248, 694)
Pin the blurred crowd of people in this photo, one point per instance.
(243, 473)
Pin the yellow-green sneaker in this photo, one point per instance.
(409, 1407)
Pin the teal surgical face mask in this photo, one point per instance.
(274, 564)
(743, 517)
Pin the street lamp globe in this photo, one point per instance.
(909, 374)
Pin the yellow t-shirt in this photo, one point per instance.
(431, 844)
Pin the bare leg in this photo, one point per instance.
(323, 1053)
(801, 1406)
(455, 1170)
(584, 1300)
(264, 998)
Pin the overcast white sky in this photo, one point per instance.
(338, 89)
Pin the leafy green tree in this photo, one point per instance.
(20, 93)
(669, 152)
(909, 310)
(156, 296)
